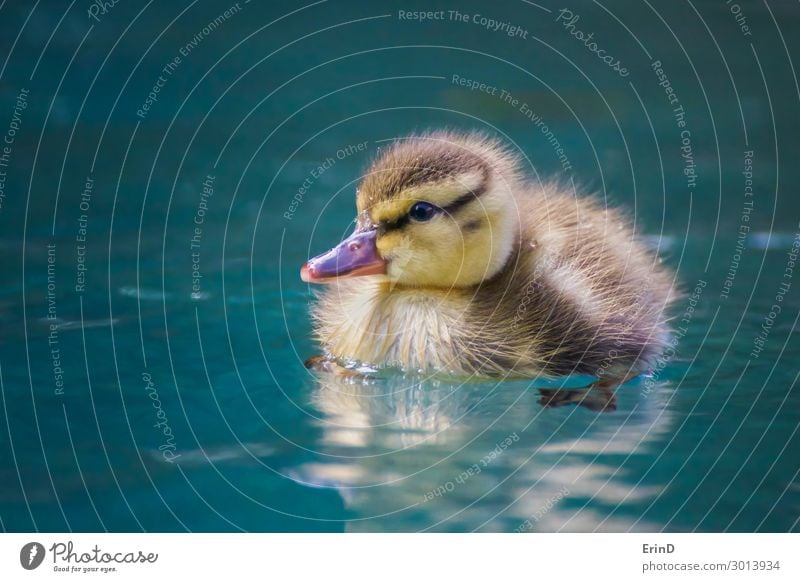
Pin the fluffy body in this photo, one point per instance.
(522, 280)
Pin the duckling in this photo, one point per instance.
(458, 264)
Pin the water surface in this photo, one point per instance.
(162, 389)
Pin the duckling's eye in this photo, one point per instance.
(423, 211)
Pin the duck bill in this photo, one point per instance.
(356, 256)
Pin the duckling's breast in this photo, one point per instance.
(372, 323)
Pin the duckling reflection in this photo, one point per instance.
(599, 396)
(359, 408)
(476, 456)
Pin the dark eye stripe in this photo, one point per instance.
(465, 199)
(394, 225)
(450, 209)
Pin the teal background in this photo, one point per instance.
(708, 443)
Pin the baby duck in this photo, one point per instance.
(459, 265)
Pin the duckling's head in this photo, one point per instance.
(434, 210)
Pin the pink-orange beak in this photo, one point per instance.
(355, 256)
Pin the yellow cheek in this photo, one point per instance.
(387, 243)
(478, 255)
(438, 253)
(462, 257)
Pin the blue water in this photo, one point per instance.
(147, 398)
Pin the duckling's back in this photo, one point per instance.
(581, 294)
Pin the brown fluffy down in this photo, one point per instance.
(577, 292)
